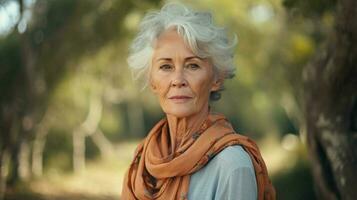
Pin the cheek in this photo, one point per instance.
(159, 85)
(203, 89)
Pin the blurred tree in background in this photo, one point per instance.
(67, 96)
(330, 98)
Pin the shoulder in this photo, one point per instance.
(234, 157)
(231, 160)
(229, 175)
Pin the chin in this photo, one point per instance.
(180, 112)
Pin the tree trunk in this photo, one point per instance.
(4, 162)
(330, 86)
(105, 146)
(38, 147)
(79, 162)
(24, 160)
(41, 132)
(90, 127)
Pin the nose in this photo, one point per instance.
(179, 80)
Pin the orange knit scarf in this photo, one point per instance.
(160, 172)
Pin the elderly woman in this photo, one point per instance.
(192, 153)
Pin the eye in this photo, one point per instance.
(165, 67)
(193, 66)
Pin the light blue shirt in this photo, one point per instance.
(228, 176)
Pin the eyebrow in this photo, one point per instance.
(187, 58)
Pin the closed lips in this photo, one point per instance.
(179, 97)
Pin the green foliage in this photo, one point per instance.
(10, 62)
(57, 150)
(295, 183)
(92, 150)
(310, 8)
(53, 16)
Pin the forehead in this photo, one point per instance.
(170, 43)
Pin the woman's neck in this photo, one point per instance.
(180, 127)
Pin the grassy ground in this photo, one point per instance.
(102, 180)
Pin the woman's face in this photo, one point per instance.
(181, 80)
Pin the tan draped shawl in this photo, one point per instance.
(160, 172)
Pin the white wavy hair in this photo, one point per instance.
(205, 39)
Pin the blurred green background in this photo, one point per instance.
(73, 114)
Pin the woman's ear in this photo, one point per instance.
(216, 85)
(218, 82)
